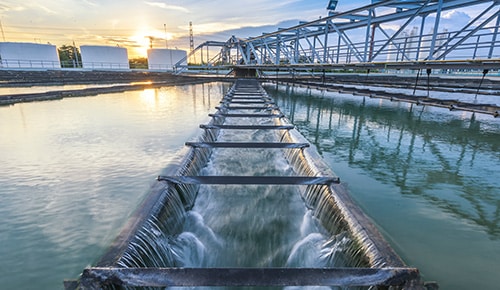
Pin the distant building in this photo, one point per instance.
(165, 59)
(28, 55)
(104, 57)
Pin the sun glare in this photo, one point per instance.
(146, 38)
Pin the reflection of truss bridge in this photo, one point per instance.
(397, 156)
(385, 34)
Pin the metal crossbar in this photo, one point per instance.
(246, 108)
(249, 93)
(247, 98)
(282, 180)
(165, 277)
(249, 127)
(249, 102)
(247, 115)
(247, 145)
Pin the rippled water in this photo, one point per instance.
(73, 170)
(428, 177)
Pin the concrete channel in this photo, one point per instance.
(138, 259)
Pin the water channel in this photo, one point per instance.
(74, 169)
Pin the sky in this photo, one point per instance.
(131, 23)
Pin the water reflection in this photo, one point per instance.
(450, 162)
(72, 170)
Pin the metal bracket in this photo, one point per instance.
(249, 127)
(283, 180)
(248, 145)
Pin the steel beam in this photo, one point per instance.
(247, 180)
(248, 145)
(96, 278)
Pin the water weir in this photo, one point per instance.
(250, 203)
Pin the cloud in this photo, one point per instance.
(214, 27)
(166, 6)
(45, 9)
(90, 3)
(11, 7)
(240, 31)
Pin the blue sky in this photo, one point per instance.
(128, 23)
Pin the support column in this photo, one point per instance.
(494, 38)
(436, 29)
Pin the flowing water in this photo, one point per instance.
(72, 170)
(276, 216)
(240, 226)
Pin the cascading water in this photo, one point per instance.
(248, 226)
(235, 225)
(259, 223)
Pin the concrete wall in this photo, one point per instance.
(164, 59)
(104, 57)
(28, 55)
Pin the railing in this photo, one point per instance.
(105, 65)
(24, 63)
(409, 48)
(169, 67)
(47, 64)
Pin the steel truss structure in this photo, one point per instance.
(383, 33)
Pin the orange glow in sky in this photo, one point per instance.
(130, 23)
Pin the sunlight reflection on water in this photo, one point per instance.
(73, 170)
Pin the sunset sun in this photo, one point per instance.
(147, 38)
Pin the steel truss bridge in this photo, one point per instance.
(387, 34)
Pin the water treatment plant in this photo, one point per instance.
(334, 154)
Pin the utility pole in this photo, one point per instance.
(191, 40)
(151, 38)
(76, 54)
(166, 41)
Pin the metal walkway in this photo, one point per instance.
(383, 267)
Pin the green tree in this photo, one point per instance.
(70, 56)
(138, 63)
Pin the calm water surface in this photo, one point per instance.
(73, 170)
(428, 177)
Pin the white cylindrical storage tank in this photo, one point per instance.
(28, 55)
(165, 59)
(104, 57)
